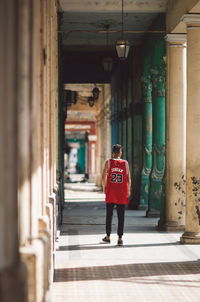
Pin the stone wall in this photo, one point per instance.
(28, 152)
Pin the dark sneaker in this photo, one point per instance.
(105, 240)
(120, 242)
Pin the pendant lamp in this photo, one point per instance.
(122, 45)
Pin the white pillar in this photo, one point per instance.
(107, 124)
(8, 135)
(103, 130)
(176, 132)
(92, 157)
(98, 145)
(13, 276)
(192, 229)
(24, 117)
(93, 170)
(46, 176)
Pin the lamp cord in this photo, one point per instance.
(122, 19)
(107, 38)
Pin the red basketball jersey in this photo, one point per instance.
(117, 185)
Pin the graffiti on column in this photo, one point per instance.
(180, 203)
(147, 147)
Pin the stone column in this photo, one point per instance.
(176, 132)
(158, 80)
(86, 155)
(24, 125)
(92, 157)
(192, 228)
(13, 274)
(99, 143)
(55, 88)
(103, 131)
(147, 148)
(107, 125)
(45, 116)
(61, 129)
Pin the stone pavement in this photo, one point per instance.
(151, 266)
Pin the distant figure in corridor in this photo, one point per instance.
(116, 182)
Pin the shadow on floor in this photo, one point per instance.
(120, 272)
(106, 246)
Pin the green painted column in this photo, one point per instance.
(120, 117)
(159, 124)
(124, 136)
(147, 138)
(81, 156)
(129, 126)
(124, 120)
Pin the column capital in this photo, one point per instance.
(158, 74)
(191, 19)
(176, 39)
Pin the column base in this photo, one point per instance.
(14, 284)
(144, 192)
(92, 178)
(153, 213)
(170, 226)
(190, 238)
(36, 259)
(142, 207)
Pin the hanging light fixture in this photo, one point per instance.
(74, 97)
(91, 101)
(122, 45)
(95, 93)
(107, 61)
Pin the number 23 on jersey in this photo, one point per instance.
(116, 178)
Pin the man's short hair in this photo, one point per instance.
(116, 149)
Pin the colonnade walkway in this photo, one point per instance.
(150, 266)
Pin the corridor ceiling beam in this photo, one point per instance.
(113, 31)
(136, 6)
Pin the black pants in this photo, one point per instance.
(120, 215)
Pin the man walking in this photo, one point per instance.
(116, 183)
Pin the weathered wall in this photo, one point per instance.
(103, 131)
(13, 273)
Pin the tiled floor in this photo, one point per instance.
(151, 266)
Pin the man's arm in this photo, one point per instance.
(129, 182)
(104, 176)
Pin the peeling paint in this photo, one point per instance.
(195, 181)
(180, 204)
(149, 122)
(180, 186)
(196, 188)
(196, 194)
